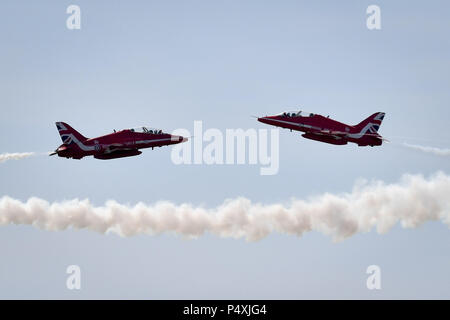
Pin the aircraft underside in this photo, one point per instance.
(117, 154)
(324, 139)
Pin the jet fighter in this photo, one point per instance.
(119, 144)
(324, 129)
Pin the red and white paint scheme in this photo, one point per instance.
(324, 129)
(124, 143)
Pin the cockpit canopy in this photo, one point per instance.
(147, 130)
(291, 114)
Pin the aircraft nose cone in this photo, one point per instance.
(263, 119)
(179, 139)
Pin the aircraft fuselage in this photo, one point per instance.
(320, 128)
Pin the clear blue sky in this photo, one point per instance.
(168, 63)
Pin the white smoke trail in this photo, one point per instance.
(411, 202)
(15, 156)
(433, 150)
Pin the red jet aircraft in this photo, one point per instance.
(324, 129)
(124, 143)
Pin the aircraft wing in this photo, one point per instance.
(331, 134)
(339, 134)
(117, 147)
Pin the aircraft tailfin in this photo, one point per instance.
(371, 124)
(68, 133)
